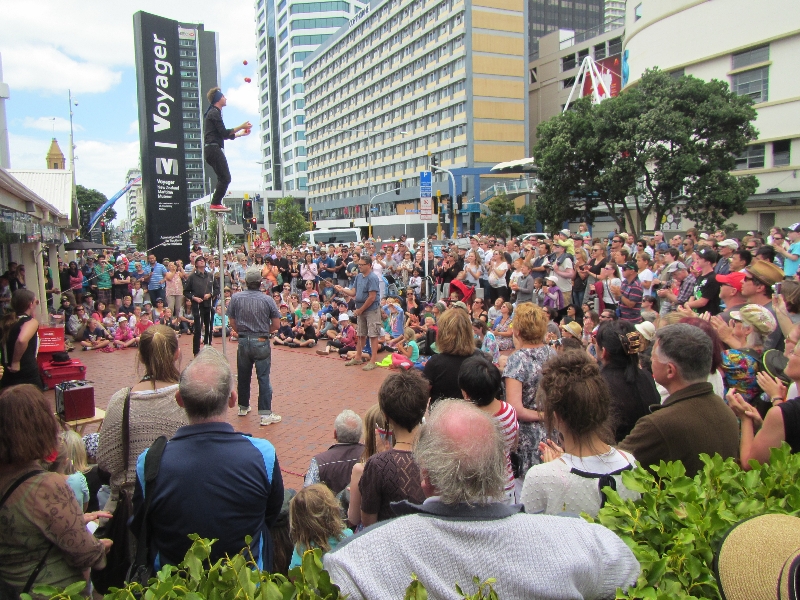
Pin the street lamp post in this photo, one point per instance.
(452, 196)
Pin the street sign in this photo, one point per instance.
(425, 196)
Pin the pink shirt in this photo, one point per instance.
(507, 417)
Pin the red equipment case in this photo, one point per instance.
(75, 400)
(55, 373)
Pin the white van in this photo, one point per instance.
(332, 236)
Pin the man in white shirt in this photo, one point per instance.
(563, 269)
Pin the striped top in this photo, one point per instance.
(507, 417)
(157, 273)
(253, 311)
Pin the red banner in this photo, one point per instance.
(611, 73)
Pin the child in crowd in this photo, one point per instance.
(74, 465)
(99, 308)
(158, 310)
(284, 309)
(345, 341)
(285, 333)
(94, 336)
(494, 311)
(127, 306)
(303, 312)
(538, 291)
(147, 308)
(407, 350)
(415, 282)
(186, 320)
(306, 295)
(124, 336)
(316, 307)
(396, 322)
(142, 324)
(553, 298)
(110, 321)
(306, 333)
(480, 382)
(326, 289)
(138, 293)
(135, 316)
(217, 327)
(315, 521)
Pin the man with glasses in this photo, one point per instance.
(757, 288)
(658, 241)
(366, 292)
(77, 322)
(616, 245)
(726, 249)
(685, 281)
(791, 256)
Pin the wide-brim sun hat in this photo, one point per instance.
(760, 558)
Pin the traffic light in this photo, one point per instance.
(434, 161)
(397, 187)
(352, 224)
(254, 221)
(247, 210)
(313, 225)
(103, 225)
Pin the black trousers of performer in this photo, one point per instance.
(215, 157)
(202, 325)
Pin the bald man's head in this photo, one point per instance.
(461, 455)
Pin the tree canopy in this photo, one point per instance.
(498, 219)
(662, 144)
(290, 222)
(90, 200)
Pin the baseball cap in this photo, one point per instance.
(794, 227)
(707, 254)
(344, 317)
(552, 278)
(306, 300)
(734, 280)
(729, 243)
(630, 265)
(566, 232)
(460, 304)
(121, 319)
(647, 330)
(675, 266)
(253, 275)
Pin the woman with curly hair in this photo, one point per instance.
(575, 401)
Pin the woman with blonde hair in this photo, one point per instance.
(377, 438)
(455, 343)
(137, 415)
(315, 521)
(522, 374)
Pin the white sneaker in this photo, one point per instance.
(270, 419)
(243, 411)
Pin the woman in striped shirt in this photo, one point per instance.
(480, 381)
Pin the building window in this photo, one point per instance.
(568, 62)
(299, 104)
(614, 46)
(751, 57)
(780, 153)
(318, 23)
(637, 12)
(600, 51)
(677, 74)
(753, 83)
(567, 83)
(752, 158)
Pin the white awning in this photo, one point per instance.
(522, 165)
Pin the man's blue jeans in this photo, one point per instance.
(251, 352)
(157, 293)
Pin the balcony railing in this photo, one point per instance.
(511, 188)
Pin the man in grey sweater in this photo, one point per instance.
(464, 530)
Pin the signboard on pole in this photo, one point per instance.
(425, 196)
(161, 135)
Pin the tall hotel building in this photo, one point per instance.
(407, 78)
(287, 31)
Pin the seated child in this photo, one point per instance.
(316, 521)
(216, 325)
(305, 334)
(285, 333)
(142, 324)
(345, 340)
(415, 282)
(127, 306)
(94, 336)
(124, 337)
(407, 351)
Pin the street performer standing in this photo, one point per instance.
(215, 136)
(201, 288)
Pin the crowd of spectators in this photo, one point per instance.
(546, 371)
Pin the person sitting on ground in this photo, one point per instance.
(143, 323)
(245, 494)
(334, 466)
(481, 383)
(454, 344)
(488, 342)
(305, 334)
(285, 333)
(455, 534)
(407, 352)
(216, 329)
(94, 336)
(577, 402)
(315, 520)
(692, 420)
(124, 336)
(391, 476)
(345, 340)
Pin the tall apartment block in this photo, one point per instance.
(287, 31)
(134, 199)
(407, 78)
(199, 72)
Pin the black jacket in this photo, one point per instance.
(201, 284)
(215, 131)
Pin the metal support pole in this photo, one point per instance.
(220, 231)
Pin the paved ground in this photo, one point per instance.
(309, 391)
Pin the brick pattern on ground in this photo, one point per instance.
(308, 392)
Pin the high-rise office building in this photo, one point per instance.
(134, 199)
(287, 31)
(398, 84)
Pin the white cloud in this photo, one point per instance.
(133, 128)
(50, 124)
(243, 154)
(244, 98)
(48, 69)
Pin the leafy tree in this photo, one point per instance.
(497, 220)
(290, 221)
(90, 200)
(139, 235)
(662, 144)
(212, 233)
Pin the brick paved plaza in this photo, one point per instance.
(308, 392)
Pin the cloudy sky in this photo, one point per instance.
(50, 47)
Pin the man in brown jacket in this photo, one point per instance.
(693, 420)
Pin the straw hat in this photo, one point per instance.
(573, 328)
(759, 558)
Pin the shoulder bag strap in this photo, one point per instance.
(152, 464)
(6, 496)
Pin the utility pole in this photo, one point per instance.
(438, 214)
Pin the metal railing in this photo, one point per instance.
(511, 188)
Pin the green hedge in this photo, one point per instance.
(677, 525)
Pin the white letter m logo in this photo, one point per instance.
(166, 166)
